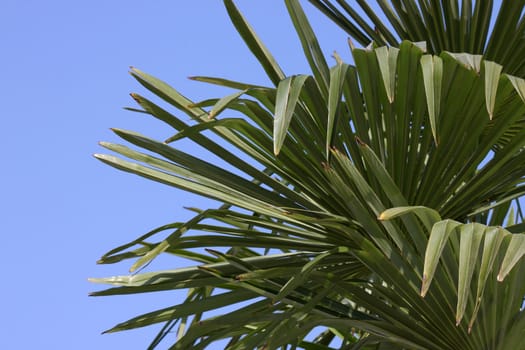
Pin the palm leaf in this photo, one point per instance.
(443, 25)
(348, 193)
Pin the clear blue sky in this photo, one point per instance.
(64, 82)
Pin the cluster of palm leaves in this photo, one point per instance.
(375, 203)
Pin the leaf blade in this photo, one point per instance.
(288, 92)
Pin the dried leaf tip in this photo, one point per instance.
(337, 58)
(359, 141)
(351, 44)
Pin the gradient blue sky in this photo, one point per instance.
(63, 85)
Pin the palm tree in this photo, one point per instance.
(374, 203)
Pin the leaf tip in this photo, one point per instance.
(337, 58)
(172, 138)
(351, 44)
(213, 251)
(135, 96)
(135, 266)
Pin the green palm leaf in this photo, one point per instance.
(352, 192)
(456, 26)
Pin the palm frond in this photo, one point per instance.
(476, 27)
(346, 194)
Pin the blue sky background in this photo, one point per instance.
(63, 84)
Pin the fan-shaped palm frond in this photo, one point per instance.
(352, 192)
(476, 27)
